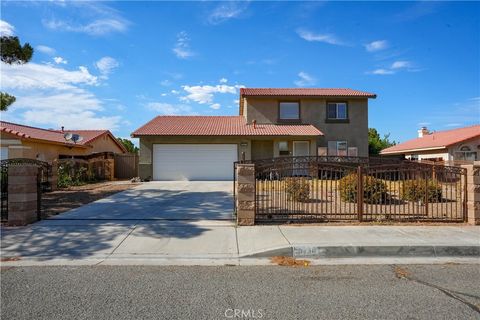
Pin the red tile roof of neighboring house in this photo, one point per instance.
(327, 92)
(27, 132)
(436, 140)
(54, 136)
(220, 126)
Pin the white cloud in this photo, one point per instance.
(204, 94)
(166, 83)
(6, 29)
(319, 37)
(169, 109)
(382, 71)
(43, 76)
(182, 46)
(223, 80)
(401, 65)
(60, 60)
(215, 106)
(45, 49)
(394, 68)
(227, 10)
(305, 80)
(99, 27)
(49, 95)
(376, 45)
(106, 65)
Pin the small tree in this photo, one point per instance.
(377, 143)
(128, 145)
(12, 52)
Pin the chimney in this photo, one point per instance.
(254, 122)
(423, 132)
(62, 128)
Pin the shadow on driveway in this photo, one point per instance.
(148, 212)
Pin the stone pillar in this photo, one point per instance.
(22, 194)
(245, 194)
(53, 178)
(110, 169)
(473, 193)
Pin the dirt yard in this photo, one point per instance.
(62, 200)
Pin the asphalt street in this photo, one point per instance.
(448, 291)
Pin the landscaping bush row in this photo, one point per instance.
(374, 190)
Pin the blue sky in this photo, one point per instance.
(116, 65)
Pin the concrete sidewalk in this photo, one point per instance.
(171, 242)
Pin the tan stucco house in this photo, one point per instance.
(21, 141)
(461, 145)
(272, 122)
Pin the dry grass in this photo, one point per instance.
(289, 261)
(401, 273)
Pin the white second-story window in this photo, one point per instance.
(289, 110)
(337, 110)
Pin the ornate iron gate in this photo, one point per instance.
(319, 189)
(43, 184)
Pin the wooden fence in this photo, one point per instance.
(126, 166)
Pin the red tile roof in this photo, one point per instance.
(436, 140)
(326, 92)
(219, 126)
(54, 136)
(27, 132)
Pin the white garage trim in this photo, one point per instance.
(193, 161)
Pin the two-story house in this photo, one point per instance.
(272, 122)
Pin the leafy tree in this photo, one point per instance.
(377, 143)
(12, 52)
(128, 145)
(5, 100)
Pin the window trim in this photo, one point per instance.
(290, 120)
(337, 120)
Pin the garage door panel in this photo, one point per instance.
(193, 161)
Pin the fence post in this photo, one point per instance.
(245, 200)
(473, 193)
(360, 193)
(22, 194)
(53, 177)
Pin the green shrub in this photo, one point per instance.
(297, 189)
(71, 175)
(414, 190)
(374, 190)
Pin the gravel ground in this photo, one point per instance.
(324, 292)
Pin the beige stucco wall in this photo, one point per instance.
(104, 144)
(314, 111)
(244, 146)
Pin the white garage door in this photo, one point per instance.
(194, 161)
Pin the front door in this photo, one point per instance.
(300, 149)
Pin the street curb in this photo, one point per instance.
(318, 252)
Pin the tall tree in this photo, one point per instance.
(377, 143)
(128, 145)
(12, 52)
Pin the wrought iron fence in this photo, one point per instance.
(318, 189)
(43, 184)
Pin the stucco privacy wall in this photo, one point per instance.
(244, 144)
(314, 111)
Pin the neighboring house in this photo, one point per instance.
(461, 144)
(271, 123)
(20, 141)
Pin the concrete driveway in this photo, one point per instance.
(174, 200)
